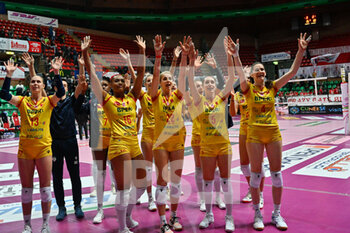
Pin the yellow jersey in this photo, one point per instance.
(196, 126)
(243, 107)
(168, 118)
(147, 110)
(212, 120)
(261, 104)
(35, 120)
(105, 127)
(121, 114)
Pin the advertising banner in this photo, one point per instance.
(32, 19)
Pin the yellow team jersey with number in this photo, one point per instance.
(168, 118)
(147, 110)
(105, 127)
(243, 108)
(35, 121)
(121, 114)
(261, 104)
(196, 125)
(212, 120)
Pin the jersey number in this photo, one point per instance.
(127, 120)
(34, 121)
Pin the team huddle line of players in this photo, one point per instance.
(43, 144)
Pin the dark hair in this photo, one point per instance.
(107, 79)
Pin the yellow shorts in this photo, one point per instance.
(123, 146)
(147, 135)
(173, 143)
(243, 129)
(263, 134)
(28, 150)
(196, 140)
(213, 150)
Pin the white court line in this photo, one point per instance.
(6, 166)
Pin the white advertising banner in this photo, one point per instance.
(336, 165)
(32, 19)
(315, 100)
(18, 74)
(4, 44)
(19, 45)
(275, 56)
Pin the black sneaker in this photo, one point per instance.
(79, 212)
(165, 229)
(62, 213)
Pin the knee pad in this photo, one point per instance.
(122, 199)
(148, 174)
(276, 178)
(161, 194)
(262, 170)
(45, 194)
(245, 170)
(255, 179)
(175, 190)
(27, 194)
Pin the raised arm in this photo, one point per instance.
(230, 71)
(233, 48)
(95, 82)
(185, 48)
(5, 90)
(302, 45)
(126, 56)
(81, 87)
(176, 55)
(29, 60)
(192, 56)
(211, 62)
(56, 65)
(141, 43)
(233, 105)
(158, 49)
(81, 65)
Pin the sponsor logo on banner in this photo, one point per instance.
(275, 56)
(293, 157)
(32, 19)
(329, 139)
(316, 109)
(34, 47)
(315, 100)
(336, 165)
(19, 45)
(4, 44)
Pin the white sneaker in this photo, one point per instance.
(93, 193)
(114, 192)
(247, 198)
(258, 221)
(202, 206)
(229, 225)
(99, 216)
(261, 203)
(27, 229)
(175, 223)
(279, 221)
(151, 205)
(165, 229)
(167, 207)
(45, 228)
(207, 220)
(138, 202)
(126, 230)
(219, 202)
(131, 223)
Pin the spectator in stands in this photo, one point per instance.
(75, 56)
(2, 32)
(19, 88)
(39, 33)
(52, 33)
(10, 33)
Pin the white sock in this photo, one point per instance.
(228, 195)
(121, 204)
(100, 185)
(27, 219)
(163, 219)
(198, 175)
(276, 208)
(46, 218)
(135, 194)
(217, 181)
(208, 195)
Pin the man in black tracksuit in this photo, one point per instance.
(64, 145)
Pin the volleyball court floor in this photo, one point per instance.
(316, 196)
